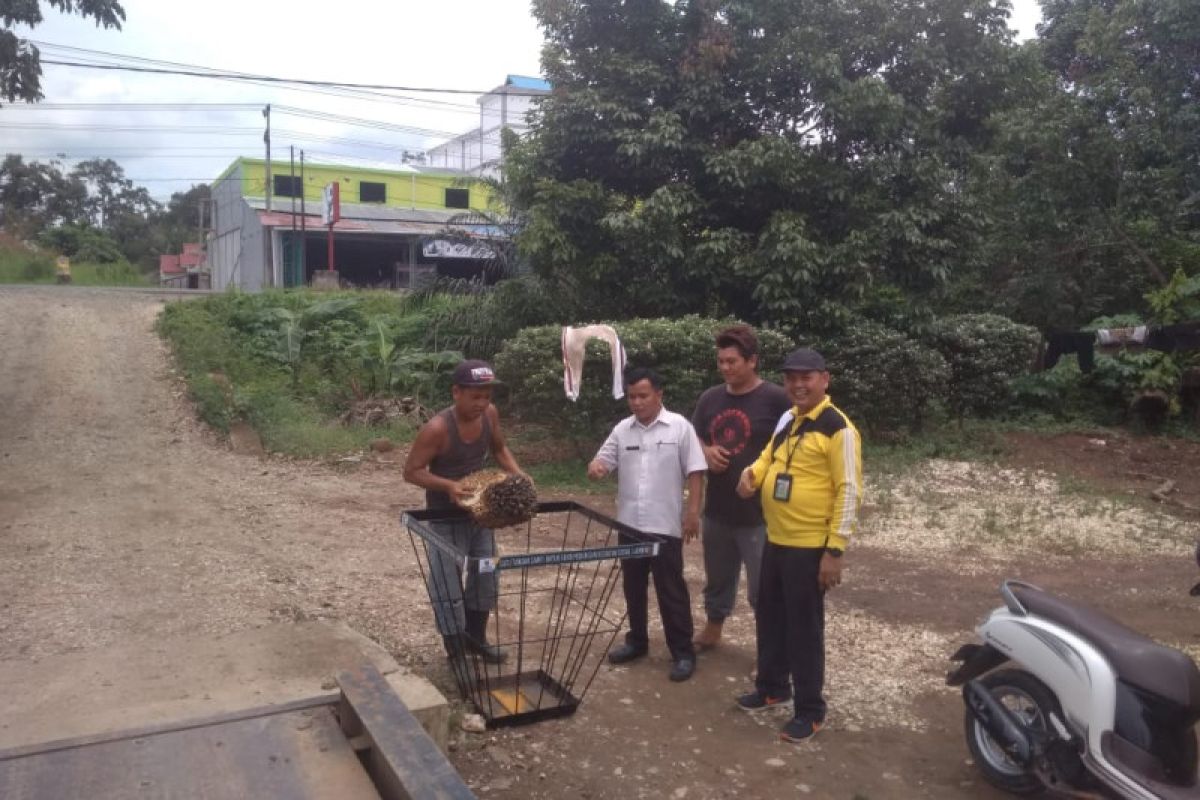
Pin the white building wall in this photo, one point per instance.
(461, 153)
(479, 151)
(236, 253)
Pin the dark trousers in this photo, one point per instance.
(674, 603)
(790, 623)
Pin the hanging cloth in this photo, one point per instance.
(1061, 343)
(1108, 337)
(574, 346)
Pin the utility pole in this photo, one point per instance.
(295, 259)
(267, 141)
(268, 256)
(303, 226)
(200, 238)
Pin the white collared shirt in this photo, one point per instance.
(652, 462)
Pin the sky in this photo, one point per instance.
(459, 44)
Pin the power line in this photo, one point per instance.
(208, 130)
(370, 96)
(320, 116)
(196, 73)
(116, 106)
(282, 109)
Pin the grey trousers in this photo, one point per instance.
(452, 591)
(726, 548)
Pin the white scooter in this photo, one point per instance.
(1089, 708)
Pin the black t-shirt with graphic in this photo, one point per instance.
(742, 424)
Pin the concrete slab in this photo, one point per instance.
(326, 279)
(172, 680)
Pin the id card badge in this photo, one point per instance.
(783, 488)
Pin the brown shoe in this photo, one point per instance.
(709, 637)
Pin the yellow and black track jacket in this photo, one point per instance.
(822, 452)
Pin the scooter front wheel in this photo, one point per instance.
(1032, 703)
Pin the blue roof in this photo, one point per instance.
(526, 82)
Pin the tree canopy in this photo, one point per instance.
(20, 61)
(809, 164)
(91, 202)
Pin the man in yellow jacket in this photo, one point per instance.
(810, 477)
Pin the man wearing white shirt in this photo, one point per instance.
(655, 452)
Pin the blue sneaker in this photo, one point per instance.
(798, 730)
(756, 701)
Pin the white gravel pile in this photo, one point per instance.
(981, 509)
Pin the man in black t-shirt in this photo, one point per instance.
(734, 422)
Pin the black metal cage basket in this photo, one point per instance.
(526, 618)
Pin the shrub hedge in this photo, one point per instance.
(985, 353)
(885, 381)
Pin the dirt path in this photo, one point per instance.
(122, 519)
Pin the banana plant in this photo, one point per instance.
(292, 328)
(379, 352)
(418, 374)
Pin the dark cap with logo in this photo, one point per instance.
(803, 360)
(474, 373)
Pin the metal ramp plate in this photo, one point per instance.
(301, 754)
(359, 745)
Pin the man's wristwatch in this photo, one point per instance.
(836, 552)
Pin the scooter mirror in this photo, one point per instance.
(1195, 590)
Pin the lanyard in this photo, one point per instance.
(805, 424)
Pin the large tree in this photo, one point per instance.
(20, 60)
(181, 218)
(37, 195)
(1097, 172)
(789, 162)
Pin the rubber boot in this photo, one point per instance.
(455, 649)
(477, 638)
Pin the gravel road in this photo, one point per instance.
(122, 517)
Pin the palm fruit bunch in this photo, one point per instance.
(499, 499)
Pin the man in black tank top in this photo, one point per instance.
(452, 445)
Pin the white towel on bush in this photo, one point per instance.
(574, 345)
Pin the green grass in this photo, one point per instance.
(308, 436)
(569, 476)
(228, 380)
(23, 266)
(972, 441)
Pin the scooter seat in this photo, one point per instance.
(1137, 659)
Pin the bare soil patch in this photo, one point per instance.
(1119, 461)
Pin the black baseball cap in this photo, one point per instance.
(474, 373)
(804, 360)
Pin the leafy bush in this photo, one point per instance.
(83, 243)
(985, 352)
(682, 350)
(478, 322)
(1119, 378)
(1061, 392)
(883, 379)
(292, 362)
(38, 267)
